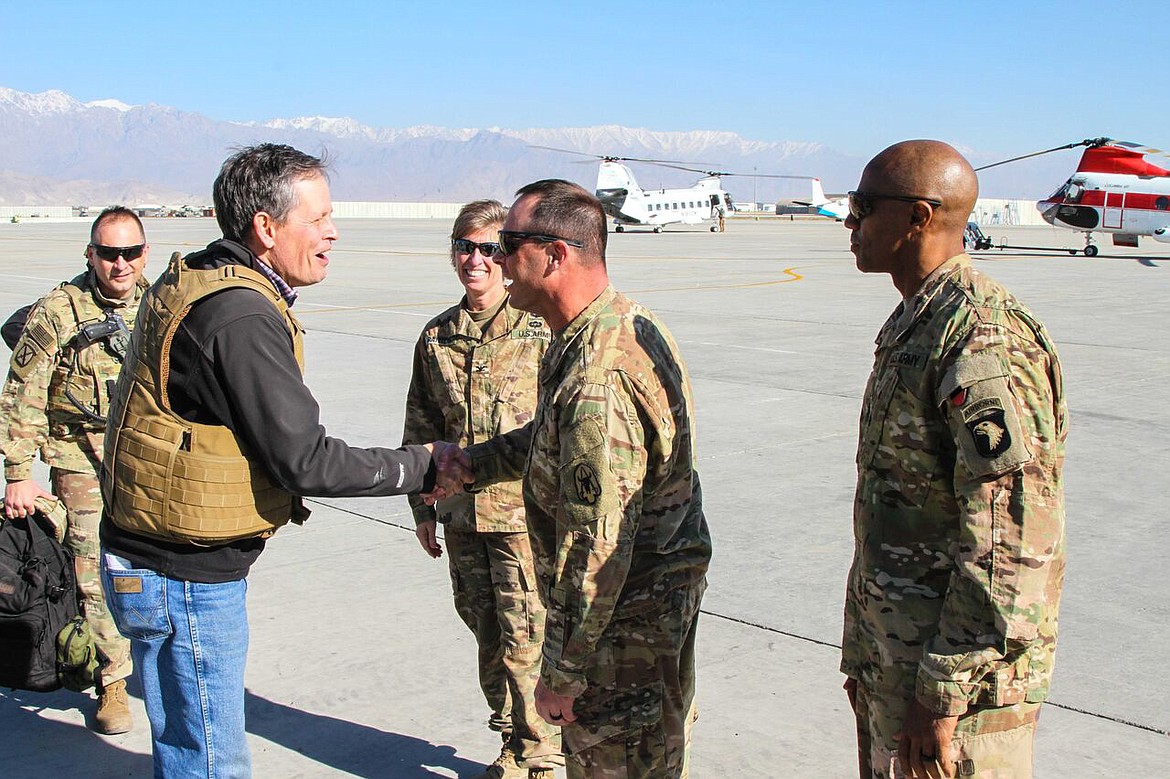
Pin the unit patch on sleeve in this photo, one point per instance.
(986, 425)
(37, 341)
(587, 485)
(989, 432)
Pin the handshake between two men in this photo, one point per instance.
(453, 472)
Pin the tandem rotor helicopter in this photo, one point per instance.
(630, 205)
(1113, 190)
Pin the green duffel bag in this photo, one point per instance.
(77, 660)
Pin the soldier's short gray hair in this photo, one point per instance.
(261, 179)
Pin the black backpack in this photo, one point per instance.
(12, 329)
(38, 597)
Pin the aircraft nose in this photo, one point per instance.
(1048, 210)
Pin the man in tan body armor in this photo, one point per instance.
(56, 399)
(213, 440)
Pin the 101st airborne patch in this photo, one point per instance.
(989, 431)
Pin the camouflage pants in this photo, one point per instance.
(634, 719)
(494, 584)
(989, 743)
(83, 504)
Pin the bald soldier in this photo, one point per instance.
(951, 606)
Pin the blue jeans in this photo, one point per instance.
(190, 643)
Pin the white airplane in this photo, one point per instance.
(836, 209)
(629, 204)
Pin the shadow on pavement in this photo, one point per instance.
(41, 746)
(357, 749)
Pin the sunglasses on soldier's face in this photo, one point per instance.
(510, 240)
(466, 246)
(111, 253)
(861, 203)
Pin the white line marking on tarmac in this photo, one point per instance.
(38, 279)
(325, 308)
(745, 348)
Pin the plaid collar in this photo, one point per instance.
(288, 293)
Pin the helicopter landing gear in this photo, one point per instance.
(1090, 248)
(619, 228)
(657, 228)
(714, 228)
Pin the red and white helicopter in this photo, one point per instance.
(1115, 189)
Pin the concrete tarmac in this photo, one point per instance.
(359, 666)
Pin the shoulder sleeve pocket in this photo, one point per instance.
(976, 394)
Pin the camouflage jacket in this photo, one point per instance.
(468, 385)
(959, 511)
(613, 498)
(52, 361)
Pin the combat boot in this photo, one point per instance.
(541, 773)
(505, 767)
(113, 711)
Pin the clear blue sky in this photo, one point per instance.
(995, 76)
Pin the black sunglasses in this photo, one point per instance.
(861, 203)
(111, 253)
(510, 240)
(488, 249)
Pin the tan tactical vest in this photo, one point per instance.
(85, 381)
(175, 480)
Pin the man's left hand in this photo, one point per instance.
(924, 745)
(555, 709)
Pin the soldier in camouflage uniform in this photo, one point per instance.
(475, 377)
(56, 399)
(951, 606)
(614, 504)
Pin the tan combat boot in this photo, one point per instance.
(505, 767)
(113, 711)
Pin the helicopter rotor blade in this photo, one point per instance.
(1087, 142)
(618, 158)
(684, 165)
(767, 176)
(562, 151)
(1141, 148)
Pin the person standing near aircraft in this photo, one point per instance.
(613, 499)
(56, 398)
(213, 439)
(474, 377)
(951, 605)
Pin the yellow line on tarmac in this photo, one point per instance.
(790, 272)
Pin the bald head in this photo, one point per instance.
(930, 169)
(920, 195)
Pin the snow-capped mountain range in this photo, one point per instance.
(57, 149)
